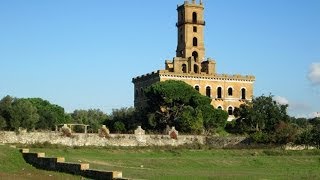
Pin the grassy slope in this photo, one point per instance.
(198, 164)
(13, 166)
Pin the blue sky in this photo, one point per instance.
(83, 54)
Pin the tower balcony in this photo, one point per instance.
(189, 21)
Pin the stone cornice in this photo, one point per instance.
(214, 77)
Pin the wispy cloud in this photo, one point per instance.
(314, 73)
(281, 100)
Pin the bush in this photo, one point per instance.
(285, 133)
(260, 137)
(119, 127)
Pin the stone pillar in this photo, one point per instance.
(173, 133)
(104, 131)
(139, 131)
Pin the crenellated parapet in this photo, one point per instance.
(154, 74)
(204, 76)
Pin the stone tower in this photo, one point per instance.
(190, 31)
(226, 91)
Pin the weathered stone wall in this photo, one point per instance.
(39, 161)
(96, 140)
(226, 142)
(115, 139)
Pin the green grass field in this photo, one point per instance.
(13, 166)
(179, 163)
(172, 163)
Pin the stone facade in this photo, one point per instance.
(226, 91)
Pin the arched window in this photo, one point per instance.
(196, 69)
(195, 55)
(137, 93)
(195, 41)
(219, 92)
(141, 92)
(184, 68)
(197, 88)
(243, 93)
(230, 111)
(219, 107)
(230, 91)
(194, 17)
(208, 91)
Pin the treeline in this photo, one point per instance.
(167, 104)
(266, 121)
(38, 114)
(172, 103)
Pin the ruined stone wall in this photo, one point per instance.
(95, 140)
(115, 139)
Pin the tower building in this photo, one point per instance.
(190, 66)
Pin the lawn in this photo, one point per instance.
(184, 163)
(12, 166)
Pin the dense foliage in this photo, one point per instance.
(122, 120)
(169, 103)
(30, 114)
(92, 117)
(175, 103)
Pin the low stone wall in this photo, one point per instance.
(227, 142)
(116, 139)
(39, 161)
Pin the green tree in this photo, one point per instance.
(24, 115)
(3, 122)
(305, 137)
(315, 136)
(119, 127)
(190, 120)
(127, 116)
(262, 114)
(95, 119)
(214, 118)
(92, 117)
(5, 111)
(175, 103)
(50, 115)
(285, 132)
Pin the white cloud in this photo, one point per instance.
(281, 100)
(314, 73)
(314, 114)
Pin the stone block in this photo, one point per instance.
(84, 166)
(117, 174)
(41, 155)
(24, 150)
(61, 159)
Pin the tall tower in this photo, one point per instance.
(189, 65)
(190, 31)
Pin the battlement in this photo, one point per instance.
(146, 76)
(192, 3)
(221, 77)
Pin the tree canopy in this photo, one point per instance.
(30, 113)
(262, 114)
(175, 103)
